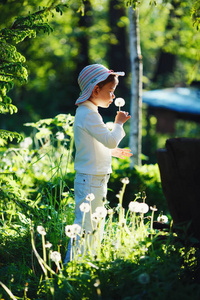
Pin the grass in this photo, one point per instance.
(134, 260)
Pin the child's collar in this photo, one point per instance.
(90, 105)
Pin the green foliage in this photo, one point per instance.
(12, 62)
(195, 12)
(37, 189)
(144, 179)
(5, 135)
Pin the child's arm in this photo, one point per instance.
(121, 153)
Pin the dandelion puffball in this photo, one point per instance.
(55, 256)
(85, 207)
(119, 102)
(41, 230)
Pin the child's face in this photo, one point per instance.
(104, 96)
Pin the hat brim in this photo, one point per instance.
(87, 93)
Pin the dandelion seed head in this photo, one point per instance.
(68, 231)
(163, 219)
(95, 217)
(72, 230)
(125, 180)
(144, 208)
(84, 207)
(76, 228)
(48, 245)
(55, 256)
(119, 102)
(153, 208)
(41, 230)
(60, 136)
(101, 212)
(90, 197)
(134, 206)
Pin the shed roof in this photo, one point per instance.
(179, 99)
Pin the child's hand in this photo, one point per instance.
(121, 153)
(122, 117)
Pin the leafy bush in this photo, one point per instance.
(144, 179)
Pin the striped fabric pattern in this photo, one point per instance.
(89, 77)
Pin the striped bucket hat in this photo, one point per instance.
(89, 77)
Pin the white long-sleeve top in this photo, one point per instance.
(94, 141)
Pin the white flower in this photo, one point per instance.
(134, 206)
(90, 197)
(110, 125)
(76, 228)
(26, 142)
(144, 208)
(68, 231)
(55, 256)
(144, 278)
(101, 212)
(95, 217)
(85, 207)
(110, 211)
(119, 102)
(125, 180)
(153, 208)
(41, 230)
(163, 219)
(60, 136)
(72, 230)
(48, 245)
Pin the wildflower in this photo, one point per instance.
(118, 195)
(163, 219)
(144, 208)
(55, 256)
(84, 207)
(72, 230)
(60, 136)
(153, 208)
(76, 228)
(134, 206)
(144, 278)
(119, 102)
(68, 231)
(90, 197)
(26, 142)
(41, 230)
(101, 212)
(48, 245)
(95, 217)
(125, 180)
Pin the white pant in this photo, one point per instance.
(85, 184)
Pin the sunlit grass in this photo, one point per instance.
(132, 261)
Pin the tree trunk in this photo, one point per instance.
(117, 54)
(85, 22)
(135, 138)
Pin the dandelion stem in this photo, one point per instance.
(8, 291)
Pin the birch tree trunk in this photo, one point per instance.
(135, 138)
